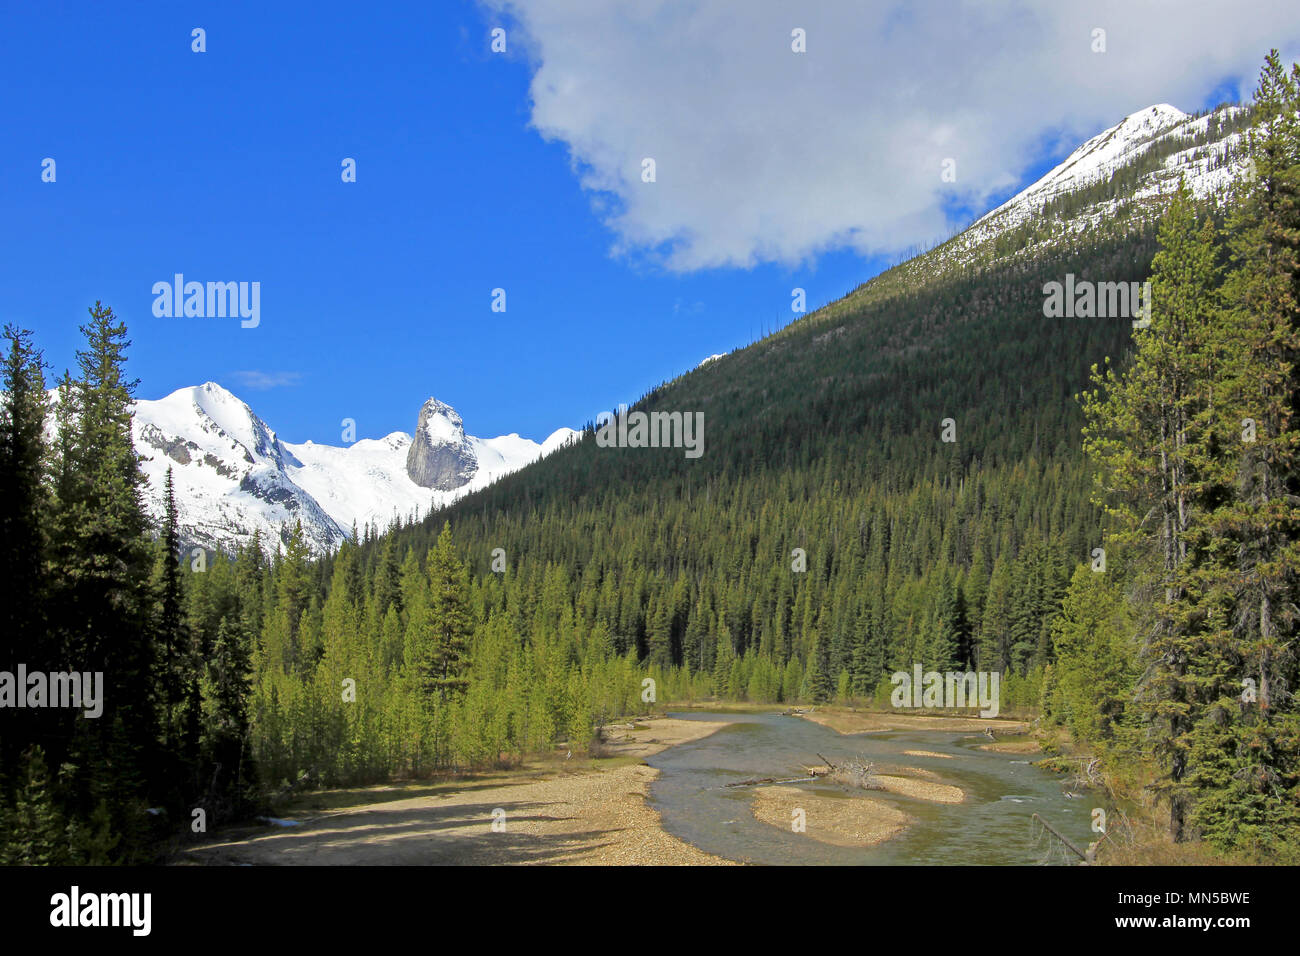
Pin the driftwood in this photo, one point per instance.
(860, 774)
(1089, 774)
(764, 781)
(1087, 857)
(851, 773)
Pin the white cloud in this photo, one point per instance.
(261, 381)
(763, 154)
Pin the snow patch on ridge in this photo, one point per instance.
(1096, 159)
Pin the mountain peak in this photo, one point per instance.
(442, 422)
(441, 456)
(1161, 114)
(1095, 160)
(436, 407)
(215, 392)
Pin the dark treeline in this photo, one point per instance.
(95, 592)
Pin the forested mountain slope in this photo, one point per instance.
(828, 437)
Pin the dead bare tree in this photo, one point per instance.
(859, 774)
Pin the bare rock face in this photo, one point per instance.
(440, 456)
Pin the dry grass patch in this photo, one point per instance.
(1013, 747)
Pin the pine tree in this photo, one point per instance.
(948, 639)
(178, 657)
(659, 636)
(36, 834)
(24, 511)
(1095, 670)
(1250, 748)
(1149, 433)
(818, 679)
(225, 692)
(445, 662)
(993, 652)
(101, 608)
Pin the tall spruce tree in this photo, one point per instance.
(225, 691)
(445, 660)
(1141, 434)
(1250, 749)
(178, 658)
(24, 512)
(101, 569)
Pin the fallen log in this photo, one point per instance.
(1087, 860)
(763, 781)
(853, 773)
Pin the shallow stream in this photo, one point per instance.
(992, 826)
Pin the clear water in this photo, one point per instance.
(991, 827)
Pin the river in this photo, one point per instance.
(992, 826)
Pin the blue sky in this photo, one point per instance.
(225, 166)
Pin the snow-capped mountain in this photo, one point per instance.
(1094, 160)
(233, 476)
(1154, 147)
(1120, 178)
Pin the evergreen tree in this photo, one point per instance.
(101, 608)
(1146, 433)
(1250, 749)
(24, 511)
(225, 691)
(178, 663)
(445, 660)
(35, 834)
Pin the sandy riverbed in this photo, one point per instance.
(848, 821)
(859, 722)
(921, 789)
(589, 816)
